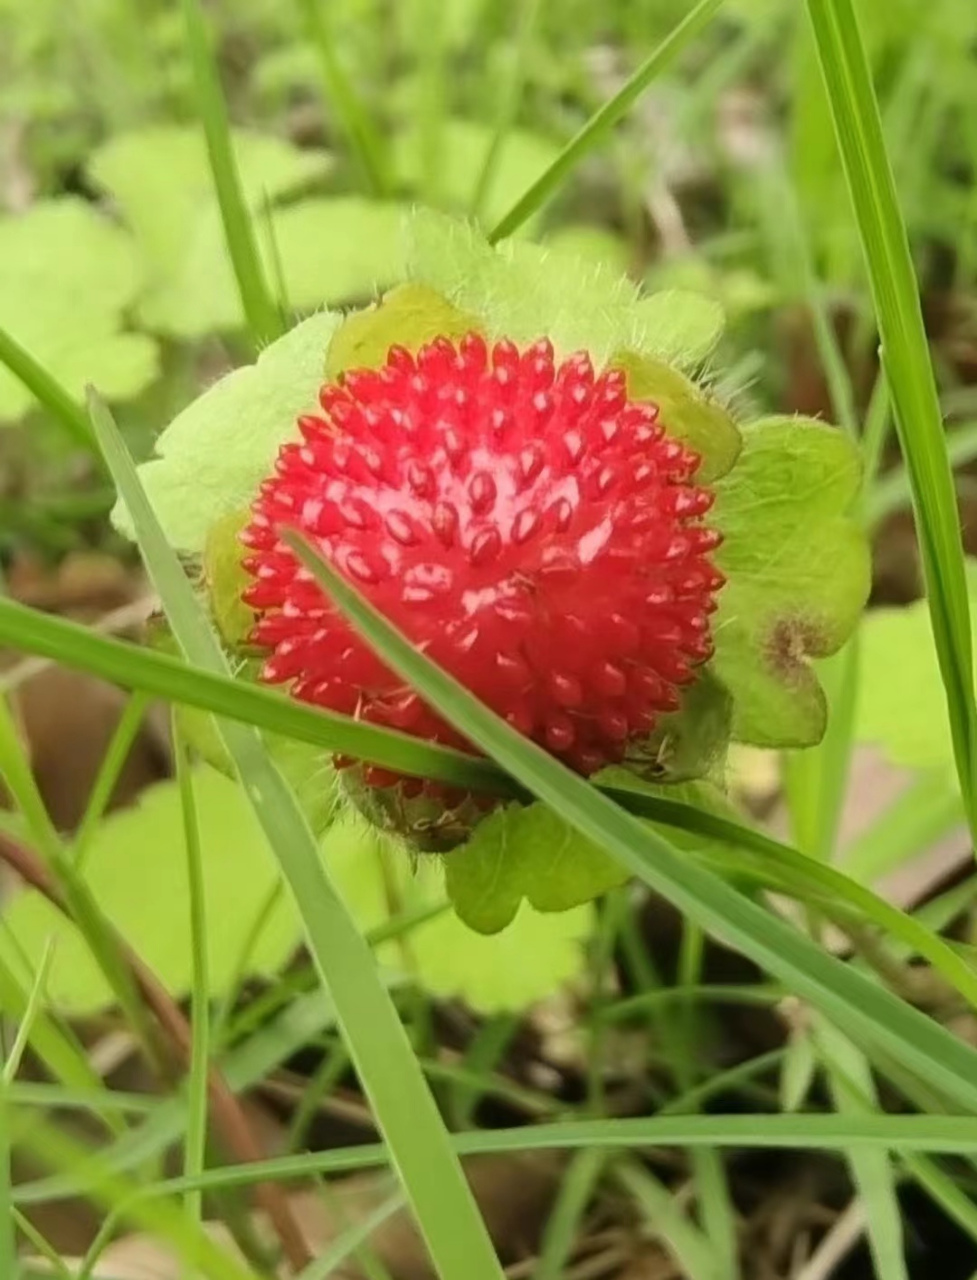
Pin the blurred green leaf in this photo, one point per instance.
(524, 962)
(463, 147)
(213, 455)
(338, 249)
(798, 573)
(901, 699)
(590, 244)
(160, 179)
(136, 867)
(68, 276)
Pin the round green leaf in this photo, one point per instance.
(136, 869)
(161, 181)
(798, 575)
(68, 276)
(212, 457)
(901, 703)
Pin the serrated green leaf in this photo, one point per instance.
(523, 291)
(409, 316)
(901, 702)
(161, 181)
(464, 144)
(136, 867)
(687, 412)
(528, 853)
(798, 575)
(681, 327)
(214, 454)
(509, 970)
(525, 852)
(68, 276)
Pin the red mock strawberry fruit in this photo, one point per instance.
(531, 529)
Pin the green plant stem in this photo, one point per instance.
(113, 762)
(195, 1146)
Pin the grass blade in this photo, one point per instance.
(854, 1002)
(603, 121)
(48, 391)
(508, 104)
(803, 1131)
(872, 1171)
(262, 315)
(893, 491)
(906, 361)
(195, 1144)
(170, 678)
(365, 142)
(401, 1100)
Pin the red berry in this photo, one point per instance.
(529, 527)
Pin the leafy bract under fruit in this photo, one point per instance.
(212, 457)
(901, 705)
(523, 291)
(796, 563)
(527, 962)
(528, 853)
(798, 575)
(69, 275)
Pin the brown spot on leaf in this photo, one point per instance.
(790, 643)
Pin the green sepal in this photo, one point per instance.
(798, 575)
(529, 852)
(407, 316)
(687, 412)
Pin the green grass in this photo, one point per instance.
(854, 1029)
(869, 1012)
(908, 369)
(603, 121)
(262, 314)
(432, 1179)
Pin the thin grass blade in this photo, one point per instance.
(48, 391)
(853, 1002)
(365, 142)
(262, 315)
(603, 121)
(907, 365)
(432, 1178)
